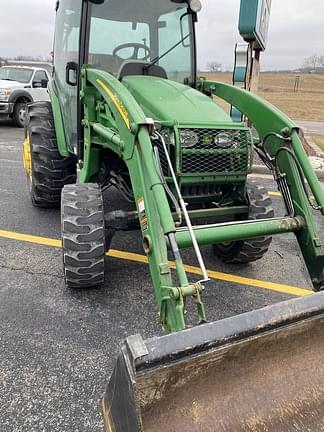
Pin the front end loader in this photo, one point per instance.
(128, 112)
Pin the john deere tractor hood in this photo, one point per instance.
(165, 100)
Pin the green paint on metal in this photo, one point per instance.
(216, 212)
(266, 117)
(280, 138)
(59, 128)
(239, 231)
(132, 143)
(166, 100)
(116, 119)
(311, 178)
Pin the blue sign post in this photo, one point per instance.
(253, 27)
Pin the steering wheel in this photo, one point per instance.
(136, 47)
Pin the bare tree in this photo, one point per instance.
(3, 61)
(27, 58)
(214, 66)
(313, 61)
(321, 60)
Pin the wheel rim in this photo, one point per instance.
(22, 115)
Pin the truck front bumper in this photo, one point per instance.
(6, 108)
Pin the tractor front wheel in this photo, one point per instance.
(245, 251)
(83, 235)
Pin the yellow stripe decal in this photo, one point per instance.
(130, 256)
(278, 194)
(117, 102)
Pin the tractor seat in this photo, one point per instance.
(137, 67)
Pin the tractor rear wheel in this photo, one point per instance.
(83, 235)
(49, 171)
(245, 251)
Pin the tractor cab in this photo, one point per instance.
(148, 38)
(143, 38)
(123, 38)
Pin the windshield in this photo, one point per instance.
(16, 74)
(142, 30)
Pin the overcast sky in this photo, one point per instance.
(296, 31)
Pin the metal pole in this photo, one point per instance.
(227, 232)
(194, 242)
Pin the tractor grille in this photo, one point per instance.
(217, 163)
(163, 159)
(218, 151)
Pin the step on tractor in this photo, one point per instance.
(128, 112)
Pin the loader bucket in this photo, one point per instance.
(259, 371)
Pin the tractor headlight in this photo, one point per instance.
(5, 94)
(188, 138)
(223, 140)
(195, 5)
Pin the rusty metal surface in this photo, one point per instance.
(272, 382)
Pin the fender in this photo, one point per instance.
(20, 93)
(58, 120)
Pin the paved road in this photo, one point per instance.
(312, 127)
(58, 346)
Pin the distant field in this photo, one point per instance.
(318, 140)
(278, 88)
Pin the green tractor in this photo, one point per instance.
(128, 111)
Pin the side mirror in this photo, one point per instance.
(71, 77)
(44, 83)
(182, 31)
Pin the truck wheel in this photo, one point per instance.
(83, 235)
(245, 251)
(19, 114)
(49, 171)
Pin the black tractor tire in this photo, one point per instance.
(245, 251)
(50, 170)
(19, 114)
(83, 235)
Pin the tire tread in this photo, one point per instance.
(83, 235)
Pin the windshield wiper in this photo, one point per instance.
(156, 59)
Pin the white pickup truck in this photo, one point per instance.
(20, 85)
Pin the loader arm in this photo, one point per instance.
(119, 123)
(281, 145)
(114, 120)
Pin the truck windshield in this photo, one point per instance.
(16, 74)
(142, 30)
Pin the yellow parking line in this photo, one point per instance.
(130, 256)
(30, 238)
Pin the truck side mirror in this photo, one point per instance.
(44, 83)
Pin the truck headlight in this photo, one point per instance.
(5, 94)
(188, 138)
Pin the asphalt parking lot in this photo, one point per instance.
(58, 346)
